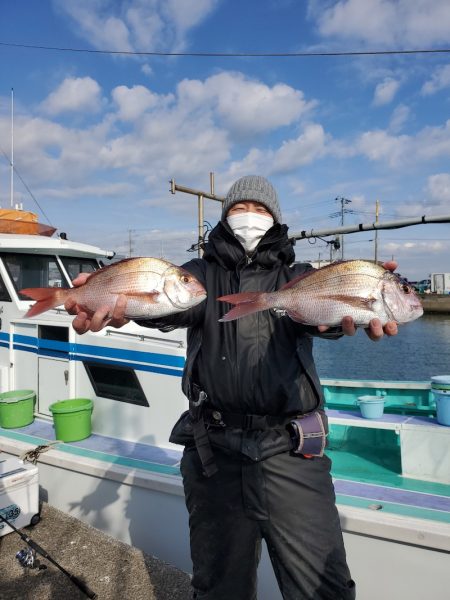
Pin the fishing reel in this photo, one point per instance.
(28, 560)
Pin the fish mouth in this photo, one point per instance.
(199, 294)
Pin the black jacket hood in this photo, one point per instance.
(275, 248)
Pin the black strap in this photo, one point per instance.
(197, 400)
(204, 448)
(241, 421)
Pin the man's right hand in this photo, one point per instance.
(102, 317)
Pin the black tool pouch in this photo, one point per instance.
(309, 434)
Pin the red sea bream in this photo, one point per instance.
(361, 289)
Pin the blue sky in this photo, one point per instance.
(98, 136)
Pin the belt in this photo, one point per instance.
(216, 418)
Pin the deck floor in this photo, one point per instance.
(360, 480)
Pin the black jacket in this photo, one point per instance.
(260, 364)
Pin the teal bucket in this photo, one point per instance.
(442, 398)
(17, 408)
(372, 407)
(72, 419)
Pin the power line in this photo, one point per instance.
(234, 54)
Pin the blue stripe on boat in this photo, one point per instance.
(165, 364)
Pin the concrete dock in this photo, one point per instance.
(111, 569)
(438, 304)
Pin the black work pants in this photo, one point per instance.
(286, 500)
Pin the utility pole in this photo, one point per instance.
(174, 187)
(130, 246)
(341, 213)
(377, 207)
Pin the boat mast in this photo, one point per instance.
(12, 149)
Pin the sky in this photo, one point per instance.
(100, 130)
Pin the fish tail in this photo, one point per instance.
(246, 303)
(46, 298)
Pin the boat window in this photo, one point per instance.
(74, 265)
(4, 294)
(33, 270)
(116, 382)
(52, 332)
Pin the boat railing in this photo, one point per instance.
(142, 337)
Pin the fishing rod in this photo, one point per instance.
(27, 559)
(370, 226)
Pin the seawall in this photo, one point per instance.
(436, 303)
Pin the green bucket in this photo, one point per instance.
(17, 408)
(72, 419)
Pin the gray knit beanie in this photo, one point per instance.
(256, 188)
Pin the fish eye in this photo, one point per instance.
(185, 279)
(406, 288)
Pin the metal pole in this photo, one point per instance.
(12, 148)
(376, 230)
(201, 227)
(301, 235)
(129, 242)
(174, 187)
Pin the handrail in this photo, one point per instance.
(143, 337)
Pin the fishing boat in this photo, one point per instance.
(391, 473)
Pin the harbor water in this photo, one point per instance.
(419, 351)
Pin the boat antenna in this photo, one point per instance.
(12, 149)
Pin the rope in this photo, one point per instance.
(32, 456)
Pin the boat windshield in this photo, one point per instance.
(33, 270)
(75, 265)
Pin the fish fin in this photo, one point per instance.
(308, 273)
(293, 282)
(246, 303)
(295, 316)
(46, 298)
(355, 301)
(150, 296)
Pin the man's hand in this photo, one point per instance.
(375, 330)
(95, 322)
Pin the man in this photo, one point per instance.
(253, 389)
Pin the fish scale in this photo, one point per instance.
(356, 288)
(153, 287)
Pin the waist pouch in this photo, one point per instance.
(255, 437)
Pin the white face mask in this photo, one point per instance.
(249, 228)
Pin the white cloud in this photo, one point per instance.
(429, 143)
(244, 105)
(402, 23)
(439, 80)
(98, 190)
(380, 145)
(74, 94)
(399, 117)
(147, 70)
(385, 91)
(136, 25)
(133, 102)
(438, 187)
(309, 146)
